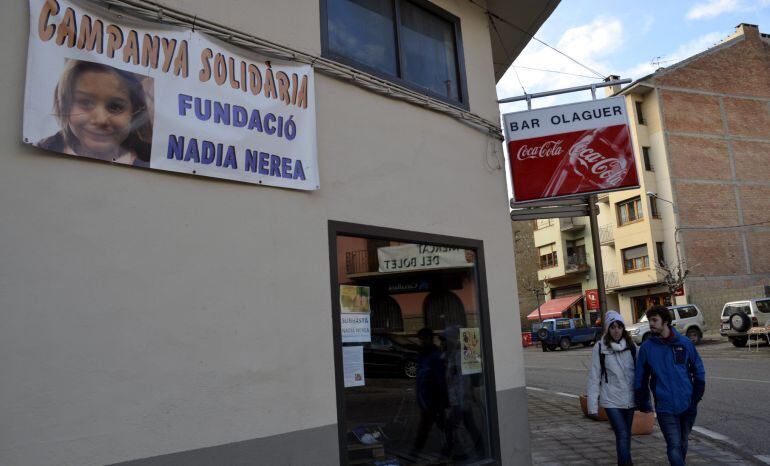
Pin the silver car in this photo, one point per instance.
(686, 318)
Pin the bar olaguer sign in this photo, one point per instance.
(570, 150)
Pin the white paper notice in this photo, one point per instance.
(353, 365)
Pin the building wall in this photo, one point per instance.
(716, 113)
(187, 320)
(526, 267)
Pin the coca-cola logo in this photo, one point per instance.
(609, 170)
(546, 149)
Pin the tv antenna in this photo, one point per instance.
(656, 62)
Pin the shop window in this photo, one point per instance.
(636, 258)
(420, 393)
(411, 42)
(548, 256)
(629, 211)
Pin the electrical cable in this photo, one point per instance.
(532, 36)
(554, 71)
(764, 222)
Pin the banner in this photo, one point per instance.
(592, 299)
(421, 257)
(104, 86)
(569, 150)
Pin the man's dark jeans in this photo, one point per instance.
(676, 428)
(621, 420)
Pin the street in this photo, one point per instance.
(736, 405)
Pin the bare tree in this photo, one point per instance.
(674, 276)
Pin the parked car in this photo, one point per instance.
(686, 318)
(739, 316)
(566, 332)
(391, 354)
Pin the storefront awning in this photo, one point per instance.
(555, 307)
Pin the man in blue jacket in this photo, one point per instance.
(670, 367)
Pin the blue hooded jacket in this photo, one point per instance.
(674, 372)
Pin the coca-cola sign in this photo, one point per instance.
(570, 150)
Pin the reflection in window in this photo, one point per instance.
(406, 42)
(363, 30)
(429, 51)
(423, 397)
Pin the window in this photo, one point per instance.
(543, 223)
(735, 308)
(687, 312)
(763, 306)
(629, 211)
(646, 156)
(548, 256)
(635, 258)
(580, 324)
(562, 324)
(410, 42)
(378, 372)
(659, 252)
(654, 213)
(639, 114)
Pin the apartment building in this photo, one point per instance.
(701, 135)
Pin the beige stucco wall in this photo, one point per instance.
(146, 312)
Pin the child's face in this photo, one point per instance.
(101, 113)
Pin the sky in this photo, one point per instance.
(623, 38)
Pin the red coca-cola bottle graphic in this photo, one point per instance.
(598, 159)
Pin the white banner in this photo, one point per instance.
(420, 257)
(104, 86)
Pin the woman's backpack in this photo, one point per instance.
(631, 348)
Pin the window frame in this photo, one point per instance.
(554, 262)
(646, 159)
(645, 259)
(338, 228)
(640, 210)
(639, 113)
(462, 85)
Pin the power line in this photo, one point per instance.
(532, 36)
(554, 71)
(508, 55)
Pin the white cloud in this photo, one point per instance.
(712, 8)
(591, 44)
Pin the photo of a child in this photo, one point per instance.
(103, 113)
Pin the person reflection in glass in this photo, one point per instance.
(431, 388)
(461, 398)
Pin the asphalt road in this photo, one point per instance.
(736, 405)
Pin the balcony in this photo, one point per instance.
(357, 262)
(576, 263)
(606, 235)
(611, 280)
(568, 224)
(603, 197)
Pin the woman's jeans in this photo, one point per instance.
(621, 420)
(675, 429)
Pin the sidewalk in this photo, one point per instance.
(561, 435)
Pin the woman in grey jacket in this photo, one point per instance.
(611, 382)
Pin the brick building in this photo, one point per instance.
(702, 127)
